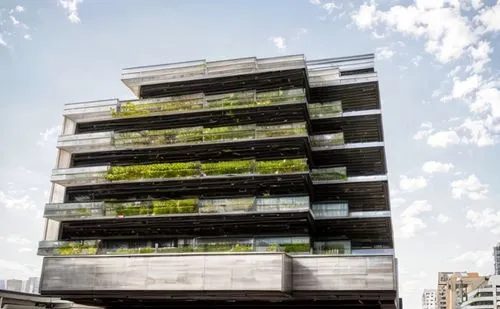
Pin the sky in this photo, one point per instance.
(440, 90)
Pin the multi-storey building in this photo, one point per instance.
(486, 296)
(14, 285)
(454, 287)
(496, 257)
(256, 182)
(443, 278)
(32, 285)
(429, 299)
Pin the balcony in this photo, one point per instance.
(169, 76)
(181, 106)
(199, 276)
(182, 137)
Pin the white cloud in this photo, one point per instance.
(278, 41)
(23, 203)
(412, 184)
(25, 249)
(409, 222)
(15, 239)
(14, 20)
(480, 55)
(301, 32)
(479, 132)
(384, 53)
(442, 218)
(448, 33)
(443, 139)
(2, 42)
(416, 60)
(486, 219)
(27, 37)
(489, 18)
(397, 202)
(19, 8)
(436, 167)
(470, 188)
(13, 269)
(49, 135)
(315, 2)
(425, 130)
(480, 258)
(330, 6)
(463, 88)
(71, 7)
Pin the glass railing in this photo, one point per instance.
(333, 173)
(172, 207)
(326, 140)
(325, 110)
(201, 134)
(292, 245)
(226, 101)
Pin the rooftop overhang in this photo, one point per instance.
(360, 159)
(263, 149)
(356, 96)
(230, 280)
(297, 222)
(271, 114)
(357, 127)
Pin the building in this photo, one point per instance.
(14, 285)
(19, 300)
(496, 257)
(429, 299)
(245, 182)
(2, 284)
(486, 296)
(32, 285)
(454, 287)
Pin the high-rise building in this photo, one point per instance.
(32, 285)
(2, 284)
(443, 278)
(14, 285)
(496, 257)
(454, 287)
(246, 182)
(485, 296)
(429, 299)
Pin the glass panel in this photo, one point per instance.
(226, 205)
(327, 140)
(333, 173)
(325, 110)
(283, 244)
(282, 203)
(332, 247)
(337, 209)
(229, 133)
(281, 130)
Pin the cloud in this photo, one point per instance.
(301, 32)
(383, 53)
(315, 2)
(488, 18)
(412, 184)
(480, 55)
(469, 187)
(2, 42)
(23, 203)
(15, 239)
(431, 167)
(27, 37)
(425, 130)
(49, 135)
(278, 41)
(409, 222)
(443, 139)
(328, 6)
(463, 88)
(479, 258)
(397, 202)
(448, 34)
(19, 8)
(13, 269)
(14, 20)
(25, 250)
(442, 218)
(71, 7)
(488, 219)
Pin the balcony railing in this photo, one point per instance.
(110, 109)
(327, 140)
(175, 207)
(180, 170)
(291, 245)
(325, 110)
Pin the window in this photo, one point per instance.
(335, 209)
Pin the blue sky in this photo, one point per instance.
(438, 68)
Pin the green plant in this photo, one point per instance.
(320, 110)
(160, 170)
(281, 130)
(76, 248)
(281, 166)
(228, 133)
(228, 167)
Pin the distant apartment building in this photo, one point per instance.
(486, 296)
(429, 299)
(31, 285)
(2, 285)
(14, 285)
(455, 288)
(496, 257)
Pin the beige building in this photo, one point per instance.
(453, 288)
